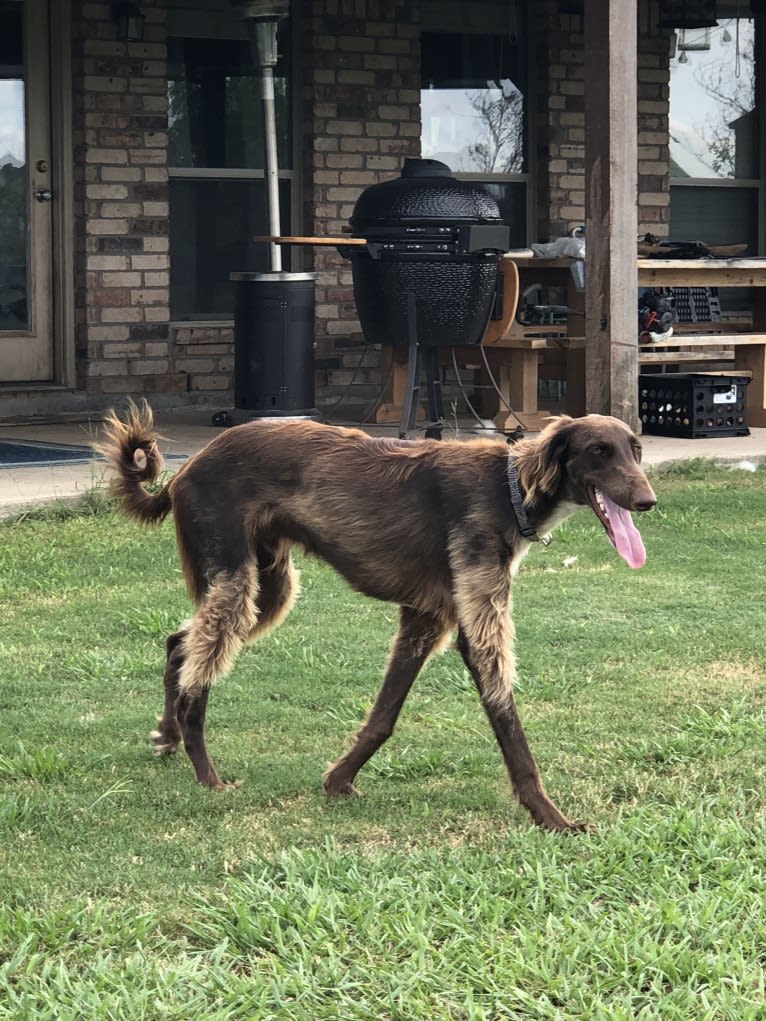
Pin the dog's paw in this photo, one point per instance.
(162, 745)
(341, 790)
(234, 785)
(548, 817)
(567, 826)
(583, 827)
(577, 827)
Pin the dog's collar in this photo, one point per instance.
(517, 501)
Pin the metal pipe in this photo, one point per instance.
(262, 17)
(272, 170)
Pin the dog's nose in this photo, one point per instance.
(645, 503)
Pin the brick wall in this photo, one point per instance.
(124, 342)
(362, 118)
(653, 119)
(561, 115)
(121, 205)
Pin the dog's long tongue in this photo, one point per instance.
(627, 540)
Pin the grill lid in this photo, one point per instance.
(425, 193)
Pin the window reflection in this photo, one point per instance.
(12, 135)
(475, 130)
(472, 102)
(713, 123)
(214, 223)
(215, 111)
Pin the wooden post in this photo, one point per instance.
(611, 219)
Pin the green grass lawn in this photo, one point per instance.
(128, 891)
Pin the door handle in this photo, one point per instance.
(43, 195)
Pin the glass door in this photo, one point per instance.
(26, 197)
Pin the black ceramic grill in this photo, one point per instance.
(433, 244)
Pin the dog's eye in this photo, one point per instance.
(601, 450)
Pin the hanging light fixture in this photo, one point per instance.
(686, 14)
(129, 21)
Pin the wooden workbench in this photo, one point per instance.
(746, 349)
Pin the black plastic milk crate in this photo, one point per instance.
(693, 404)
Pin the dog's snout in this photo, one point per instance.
(645, 501)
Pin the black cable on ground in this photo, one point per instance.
(329, 414)
(498, 391)
(470, 406)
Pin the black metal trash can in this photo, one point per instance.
(431, 239)
(274, 344)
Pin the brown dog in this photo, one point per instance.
(437, 527)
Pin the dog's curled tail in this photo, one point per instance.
(124, 439)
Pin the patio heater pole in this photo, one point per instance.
(273, 311)
(262, 17)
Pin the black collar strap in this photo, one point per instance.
(517, 501)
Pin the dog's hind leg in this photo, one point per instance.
(224, 620)
(166, 738)
(418, 637)
(189, 711)
(485, 641)
(238, 607)
(191, 708)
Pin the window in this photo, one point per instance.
(473, 98)
(714, 143)
(216, 159)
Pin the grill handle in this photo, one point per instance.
(484, 238)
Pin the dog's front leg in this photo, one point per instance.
(419, 635)
(485, 640)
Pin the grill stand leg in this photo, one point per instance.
(434, 388)
(412, 394)
(433, 383)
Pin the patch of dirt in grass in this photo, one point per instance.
(719, 676)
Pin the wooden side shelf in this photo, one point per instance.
(738, 325)
(711, 347)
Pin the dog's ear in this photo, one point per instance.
(542, 462)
